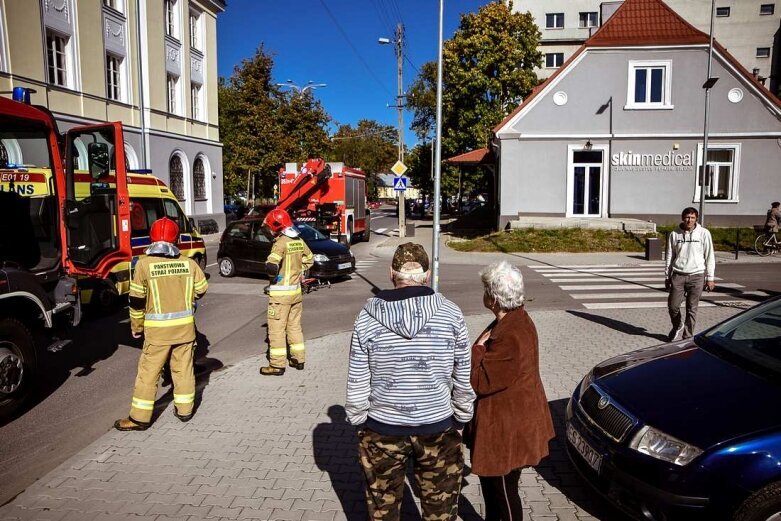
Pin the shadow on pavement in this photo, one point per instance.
(617, 325)
(557, 470)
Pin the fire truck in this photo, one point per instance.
(49, 240)
(329, 196)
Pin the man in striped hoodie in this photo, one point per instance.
(408, 391)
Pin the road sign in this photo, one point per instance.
(399, 184)
(399, 168)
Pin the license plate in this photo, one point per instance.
(592, 457)
(343, 266)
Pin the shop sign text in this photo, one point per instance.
(669, 162)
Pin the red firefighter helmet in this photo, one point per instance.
(277, 221)
(164, 230)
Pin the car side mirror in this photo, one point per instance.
(98, 160)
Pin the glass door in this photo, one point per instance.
(586, 183)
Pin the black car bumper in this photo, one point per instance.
(627, 485)
(333, 268)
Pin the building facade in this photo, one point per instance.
(151, 64)
(749, 29)
(631, 144)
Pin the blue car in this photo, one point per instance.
(687, 430)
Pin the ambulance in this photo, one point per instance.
(150, 199)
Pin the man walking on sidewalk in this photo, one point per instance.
(689, 267)
(164, 288)
(408, 391)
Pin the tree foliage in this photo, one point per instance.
(488, 68)
(262, 128)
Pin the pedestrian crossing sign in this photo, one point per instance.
(399, 184)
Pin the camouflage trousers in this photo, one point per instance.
(438, 462)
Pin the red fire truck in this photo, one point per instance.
(49, 239)
(329, 196)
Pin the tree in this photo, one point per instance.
(488, 68)
(369, 146)
(304, 127)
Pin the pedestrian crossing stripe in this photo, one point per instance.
(630, 286)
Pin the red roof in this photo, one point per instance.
(646, 22)
(475, 157)
(643, 22)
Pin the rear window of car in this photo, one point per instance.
(240, 230)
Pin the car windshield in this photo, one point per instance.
(308, 233)
(753, 337)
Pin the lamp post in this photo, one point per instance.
(438, 158)
(708, 85)
(310, 86)
(399, 43)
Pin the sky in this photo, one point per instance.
(335, 42)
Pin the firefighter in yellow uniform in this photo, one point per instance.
(290, 258)
(162, 294)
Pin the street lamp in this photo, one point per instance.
(310, 86)
(708, 85)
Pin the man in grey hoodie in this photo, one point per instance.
(689, 267)
(408, 391)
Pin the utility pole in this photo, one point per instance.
(400, 111)
(708, 85)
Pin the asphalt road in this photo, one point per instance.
(89, 384)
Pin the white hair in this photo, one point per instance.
(417, 278)
(503, 283)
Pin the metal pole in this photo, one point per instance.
(438, 159)
(141, 100)
(400, 111)
(707, 113)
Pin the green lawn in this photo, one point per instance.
(580, 240)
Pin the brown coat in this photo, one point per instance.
(512, 422)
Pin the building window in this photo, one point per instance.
(199, 180)
(589, 19)
(195, 30)
(114, 4)
(172, 93)
(554, 21)
(195, 100)
(763, 52)
(767, 9)
(171, 19)
(721, 177)
(57, 58)
(113, 77)
(722, 11)
(554, 60)
(3, 156)
(176, 177)
(649, 85)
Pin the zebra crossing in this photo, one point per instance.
(387, 231)
(613, 286)
(365, 264)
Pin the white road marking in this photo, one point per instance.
(586, 287)
(634, 305)
(618, 279)
(541, 267)
(583, 271)
(381, 230)
(639, 294)
(212, 264)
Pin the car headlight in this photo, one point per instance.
(659, 445)
(319, 257)
(586, 382)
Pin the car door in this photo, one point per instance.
(97, 220)
(259, 249)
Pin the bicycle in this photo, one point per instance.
(766, 244)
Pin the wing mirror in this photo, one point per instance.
(98, 159)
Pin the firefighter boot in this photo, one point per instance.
(296, 364)
(272, 371)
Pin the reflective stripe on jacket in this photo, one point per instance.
(292, 257)
(161, 298)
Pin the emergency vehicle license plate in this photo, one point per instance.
(343, 266)
(592, 457)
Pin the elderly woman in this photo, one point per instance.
(512, 423)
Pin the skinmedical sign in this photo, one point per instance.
(667, 162)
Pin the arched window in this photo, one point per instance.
(3, 156)
(176, 176)
(199, 180)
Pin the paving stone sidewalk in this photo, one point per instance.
(279, 449)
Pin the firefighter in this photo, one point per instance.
(290, 258)
(162, 294)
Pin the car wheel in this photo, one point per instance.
(349, 234)
(17, 365)
(762, 505)
(201, 260)
(227, 267)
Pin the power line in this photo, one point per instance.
(382, 14)
(411, 64)
(350, 43)
(394, 8)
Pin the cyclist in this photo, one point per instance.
(773, 218)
